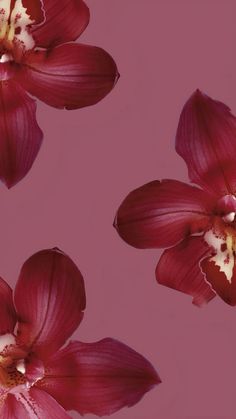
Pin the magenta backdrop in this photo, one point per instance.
(92, 158)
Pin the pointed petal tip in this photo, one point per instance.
(117, 77)
(10, 183)
(197, 97)
(205, 139)
(200, 98)
(154, 378)
(115, 222)
(199, 92)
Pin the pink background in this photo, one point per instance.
(92, 158)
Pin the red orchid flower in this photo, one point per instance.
(38, 57)
(38, 380)
(199, 223)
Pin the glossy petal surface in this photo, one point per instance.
(98, 378)
(206, 139)
(64, 22)
(159, 214)
(49, 299)
(69, 76)
(7, 310)
(179, 268)
(20, 135)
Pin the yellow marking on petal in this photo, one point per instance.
(229, 243)
(3, 376)
(11, 33)
(3, 30)
(4, 16)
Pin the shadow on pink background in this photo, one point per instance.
(92, 158)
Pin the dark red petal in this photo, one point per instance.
(35, 10)
(65, 21)
(98, 378)
(7, 310)
(179, 268)
(31, 404)
(159, 214)
(222, 286)
(20, 135)
(206, 139)
(69, 76)
(49, 299)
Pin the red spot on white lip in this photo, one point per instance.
(223, 252)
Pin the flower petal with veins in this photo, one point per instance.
(20, 135)
(64, 22)
(69, 76)
(206, 140)
(49, 299)
(98, 378)
(161, 213)
(179, 269)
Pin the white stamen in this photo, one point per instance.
(229, 218)
(20, 366)
(5, 58)
(224, 259)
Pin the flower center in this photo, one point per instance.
(226, 208)
(222, 237)
(12, 364)
(11, 373)
(15, 25)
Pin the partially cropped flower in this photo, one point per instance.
(37, 56)
(39, 377)
(199, 223)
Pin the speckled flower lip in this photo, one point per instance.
(199, 223)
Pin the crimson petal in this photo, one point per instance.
(31, 404)
(179, 268)
(206, 140)
(69, 76)
(7, 310)
(98, 378)
(65, 21)
(159, 214)
(34, 10)
(20, 135)
(49, 299)
(223, 287)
